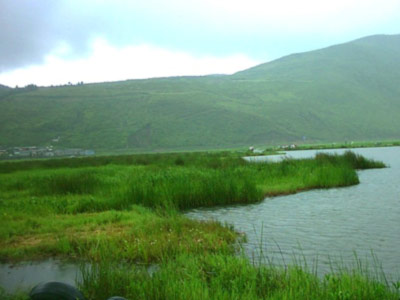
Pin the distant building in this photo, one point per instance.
(88, 152)
(22, 153)
(44, 151)
(67, 152)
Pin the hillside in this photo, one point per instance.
(345, 92)
(4, 90)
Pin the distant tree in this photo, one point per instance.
(31, 87)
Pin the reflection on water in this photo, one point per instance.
(25, 276)
(326, 225)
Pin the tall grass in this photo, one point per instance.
(82, 182)
(189, 187)
(290, 176)
(208, 159)
(176, 182)
(226, 277)
(29, 195)
(356, 161)
(138, 235)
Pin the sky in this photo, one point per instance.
(53, 42)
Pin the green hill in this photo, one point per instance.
(4, 90)
(344, 92)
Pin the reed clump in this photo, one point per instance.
(183, 188)
(356, 161)
(176, 182)
(217, 276)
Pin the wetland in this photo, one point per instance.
(116, 213)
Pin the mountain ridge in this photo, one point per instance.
(349, 91)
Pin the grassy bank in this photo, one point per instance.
(223, 276)
(66, 209)
(347, 145)
(228, 277)
(109, 210)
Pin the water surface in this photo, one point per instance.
(326, 225)
(26, 275)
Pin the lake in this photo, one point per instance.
(326, 227)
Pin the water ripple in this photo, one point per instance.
(331, 224)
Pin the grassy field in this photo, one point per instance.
(119, 213)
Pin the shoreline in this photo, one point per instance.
(89, 213)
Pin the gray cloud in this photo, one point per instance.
(31, 29)
(24, 32)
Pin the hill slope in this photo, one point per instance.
(4, 90)
(348, 91)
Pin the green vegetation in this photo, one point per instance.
(4, 91)
(207, 159)
(347, 145)
(119, 213)
(227, 277)
(345, 92)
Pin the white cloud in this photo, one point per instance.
(249, 16)
(284, 15)
(108, 63)
(256, 27)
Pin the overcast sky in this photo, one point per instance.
(58, 41)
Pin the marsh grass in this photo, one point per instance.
(217, 276)
(199, 181)
(356, 161)
(346, 145)
(56, 211)
(137, 235)
(82, 182)
(183, 188)
(19, 295)
(208, 159)
(116, 212)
